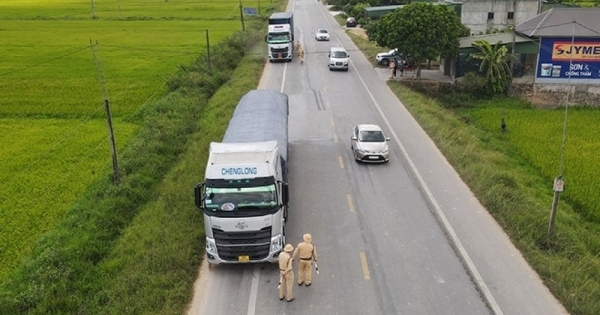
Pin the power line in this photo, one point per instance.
(42, 62)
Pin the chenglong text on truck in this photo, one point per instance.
(245, 195)
(280, 36)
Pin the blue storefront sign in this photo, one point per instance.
(563, 58)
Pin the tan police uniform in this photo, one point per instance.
(301, 54)
(307, 252)
(286, 273)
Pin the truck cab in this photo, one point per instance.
(280, 42)
(280, 36)
(244, 199)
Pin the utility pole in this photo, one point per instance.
(93, 10)
(242, 15)
(559, 183)
(208, 49)
(111, 135)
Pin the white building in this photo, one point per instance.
(489, 16)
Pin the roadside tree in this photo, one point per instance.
(423, 30)
(494, 65)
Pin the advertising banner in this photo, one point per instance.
(563, 58)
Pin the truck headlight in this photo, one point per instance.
(276, 244)
(211, 247)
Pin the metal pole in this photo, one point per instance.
(242, 15)
(558, 181)
(93, 10)
(111, 135)
(113, 146)
(208, 49)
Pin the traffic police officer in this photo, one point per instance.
(307, 252)
(286, 273)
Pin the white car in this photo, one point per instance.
(369, 144)
(322, 34)
(385, 57)
(338, 59)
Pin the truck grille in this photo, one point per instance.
(232, 245)
(275, 52)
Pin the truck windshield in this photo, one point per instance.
(241, 198)
(275, 38)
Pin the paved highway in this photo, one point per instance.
(405, 237)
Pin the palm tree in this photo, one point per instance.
(494, 64)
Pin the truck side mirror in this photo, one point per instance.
(266, 37)
(285, 193)
(199, 198)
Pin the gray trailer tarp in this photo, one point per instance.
(261, 115)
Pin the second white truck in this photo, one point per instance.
(280, 36)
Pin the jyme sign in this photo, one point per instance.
(560, 58)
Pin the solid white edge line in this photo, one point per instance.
(200, 285)
(487, 294)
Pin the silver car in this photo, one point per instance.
(369, 144)
(338, 59)
(322, 34)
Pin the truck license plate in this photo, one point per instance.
(243, 258)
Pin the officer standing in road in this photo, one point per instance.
(286, 273)
(307, 253)
(301, 54)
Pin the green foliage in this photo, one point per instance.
(127, 249)
(423, 30)
(51, 172)
(494, 64)
(357, 11)
(511, 174)
(134, 248)
(53, 126)
(538, 134)
(474, 85)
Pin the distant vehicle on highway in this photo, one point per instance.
(338, 59)
(351, 22)
(322, 34)
(369, 144)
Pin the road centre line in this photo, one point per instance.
(341, 161)
(365, 266)
(350, 203)
(460, 250)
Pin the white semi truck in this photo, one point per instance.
(244, 196)
(280, 37)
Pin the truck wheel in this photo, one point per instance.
(385, 62)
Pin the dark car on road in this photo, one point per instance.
(351, 22)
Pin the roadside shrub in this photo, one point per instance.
(209, 75)
(474, 85)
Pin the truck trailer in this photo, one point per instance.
(244, 196)
(280, 36)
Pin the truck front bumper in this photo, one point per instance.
(212, 253)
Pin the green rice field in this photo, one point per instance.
(538, 135)
(60, 60)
